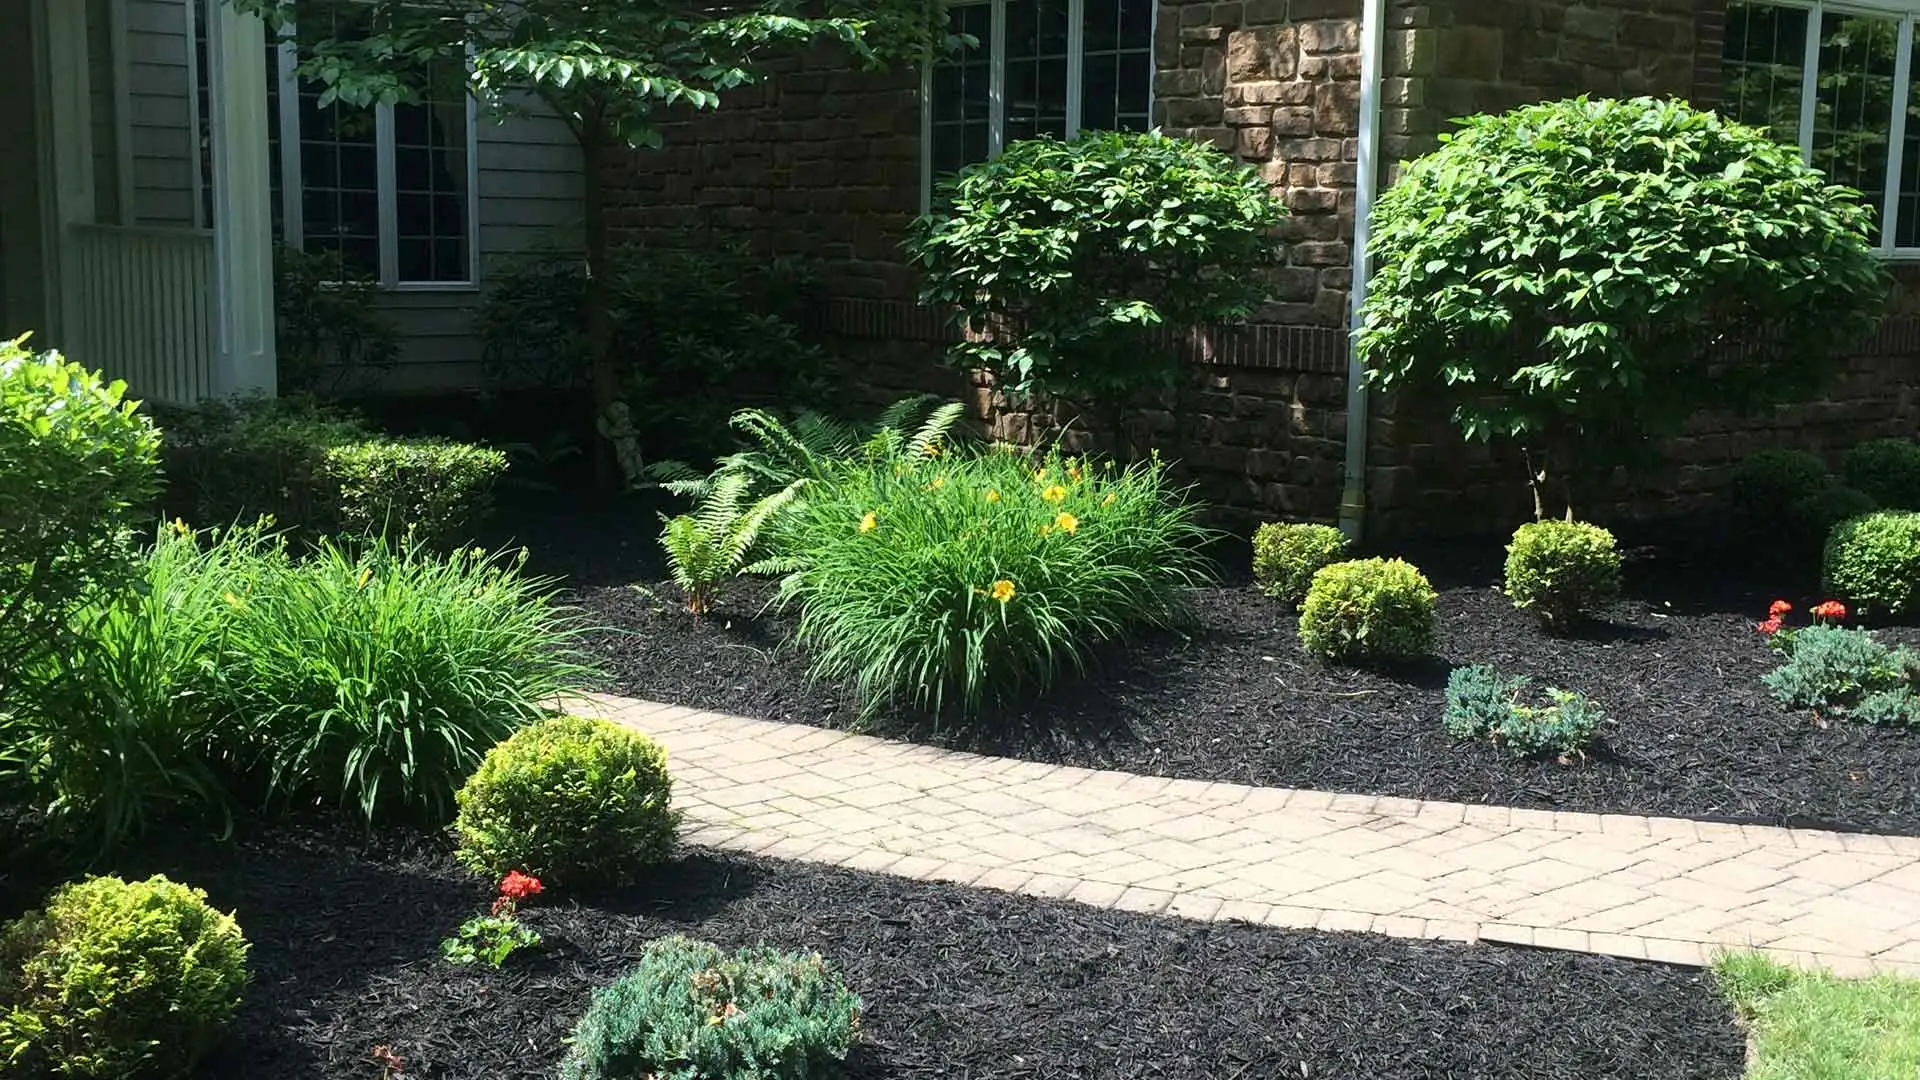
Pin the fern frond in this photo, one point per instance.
(903, 412)
(937, 428)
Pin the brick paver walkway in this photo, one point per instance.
(1660, 888)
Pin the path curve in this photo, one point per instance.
(1662, 889)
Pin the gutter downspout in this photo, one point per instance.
(1373, 44)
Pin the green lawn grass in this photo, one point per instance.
(1814, 1026)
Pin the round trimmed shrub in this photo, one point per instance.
(116, 979)
(1370, 611)
(1560, 570)
(690, 1011)
(1873, 562)
(1286, 555)
(1887, 470)
(569, 799)
(1765, 481)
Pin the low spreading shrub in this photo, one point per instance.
(1836, 669)
(1483, 703)
(1874, 562)
(114, 980)
(1562, 570)
(1286, 555)
(571, 800)
(955, 580)
(1887, 470)
(690, 1011)
(317, 471)
(1370, 611)
(78, 465)
(378, 677)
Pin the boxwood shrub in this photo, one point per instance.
(1286, 555)
(1370, 611)
(117, 980)
(570, 800)
(1562, 571)
(1873, 562)
(1887, 470)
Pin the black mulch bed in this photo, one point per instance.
(1676, 665)
(958, 983)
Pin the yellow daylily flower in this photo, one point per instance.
(869, 522)
(1054, 494)
(1002, 590)
(1067, 523)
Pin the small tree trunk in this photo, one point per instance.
(603, 373)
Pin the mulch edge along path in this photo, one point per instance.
(1676, 665)
(957, 982)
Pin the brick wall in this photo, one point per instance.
(825, 161)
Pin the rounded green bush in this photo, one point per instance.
(1370, 611)
(1873, 562)
(691, 1011)
(1560, 570)
(1286, 555)
(1765, 481)
(1887, 470)
(569, 799)
(116, 979)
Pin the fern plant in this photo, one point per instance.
(714, 543)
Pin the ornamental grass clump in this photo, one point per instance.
(377, 677)
(117, 980)
(572, 799)
(691, 1011)
(1286, 555)
(1874, 562)
(1370, 611)
(1562, 571)
(953, 582)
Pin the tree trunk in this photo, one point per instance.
(603, 372)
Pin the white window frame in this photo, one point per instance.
(1907, 12)
(293, 182)
(997, 83)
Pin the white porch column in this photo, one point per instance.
(66, 135)
(242, 201)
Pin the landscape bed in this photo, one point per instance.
(1676, 666)
(957, 982)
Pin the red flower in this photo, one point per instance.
(518, 886)
(1770, 627)
(1832, 609)
(1778, 608)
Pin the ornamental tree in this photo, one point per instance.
(610, 69)
(1060, 259)
(1582, 276)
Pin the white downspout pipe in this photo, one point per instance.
(1373, 47)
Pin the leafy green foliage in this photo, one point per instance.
(489, 940)
(433, 488)
(1835, 669)
(132, 709)
(955, 581)
(377, 679)
(114, 980)
(1562, 570)
(1874, 563)
(1286, 555)
(570, 799)
(1370, 611)
(703, 324)
(690, 1011)
(329, 333)
(1059, 258)
(1887, 470)
(741, 507)
(1765, 481)
(78, 465)
(1572, 275)
(1483, 703)
(315, 470)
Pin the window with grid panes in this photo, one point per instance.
(389, 188)
(1836, 80)
(1037, 67)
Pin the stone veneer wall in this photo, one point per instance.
(824, 161)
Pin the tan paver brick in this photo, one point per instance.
(1656, 888)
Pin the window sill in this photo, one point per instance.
(474, 286)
